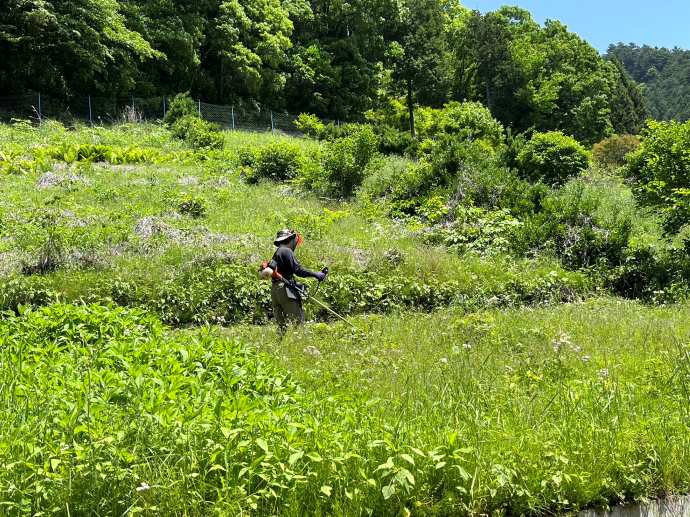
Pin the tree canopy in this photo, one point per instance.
(333, 58)
(664, 74)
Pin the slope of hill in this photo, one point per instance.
(665, 74)
(464, 385)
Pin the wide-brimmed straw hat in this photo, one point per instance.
(284, 236)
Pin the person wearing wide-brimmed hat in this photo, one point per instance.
(287, 303)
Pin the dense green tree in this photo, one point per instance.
(664, 74)
(628, 105)
(67, 46)
(544, 78)
(334, 66)
(416, 47)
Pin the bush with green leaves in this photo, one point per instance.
(660, 171)
(278, 161)
(476, 230)
(180, 107)
(468, 121)
(611, 151)
(193, 206)
(198, 133)
(310, 125)
(344, 160)
(552, 158)
(574, 225)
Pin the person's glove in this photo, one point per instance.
(320, 276)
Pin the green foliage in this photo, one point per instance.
(660, 170)
(69, 46)
(180, 107)
(477, 230)
(344, 160)
(44, 241)
(71, 153)
(575, 225)
(462, 120)
(193, 206)
(662, 71)
(310, 125)
(278, 161)
(198, 133)
(611, 151)
(467, 121)
(552, 158)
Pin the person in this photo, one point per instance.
(286, 300)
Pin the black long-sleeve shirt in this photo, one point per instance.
(285, 261)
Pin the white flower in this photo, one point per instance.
(143, 487)
(444, 360)
(604, 373)
(467, 346)
(585, 358)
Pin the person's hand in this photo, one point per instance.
(320, 276)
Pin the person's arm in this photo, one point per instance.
(302, 271)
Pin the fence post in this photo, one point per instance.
(90, 119)
(199, 108)
(164, 107)
(40, 111)
(273, 128)
(232, 112)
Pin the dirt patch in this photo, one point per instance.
(53, 179)
(11, 262)
(200, 236)
(188, 181)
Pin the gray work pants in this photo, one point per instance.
(286, 309)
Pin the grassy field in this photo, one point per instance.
(139, 372)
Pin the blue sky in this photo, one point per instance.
(661, 23)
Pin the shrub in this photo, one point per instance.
(575, 226)
(552, 158)
(310, 125)
(383, 174)
(198, 133)
(345, 159)
(43, 237)
(192, 206)
(660, 171)
(469, 121)
(278, 161)
(487, 183)
(476, 230)
(394, 141)
(180, 107)
(25, 291)
(611, 151)
(466, 120)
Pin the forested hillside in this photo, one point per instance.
(333, 59)
(665, 74)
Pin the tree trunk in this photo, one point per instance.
(410, 107)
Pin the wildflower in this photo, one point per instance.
(444, 360)
(604, 373)
(143, 487)
(467, 346)
(585, 358)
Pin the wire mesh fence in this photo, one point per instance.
(102, 111)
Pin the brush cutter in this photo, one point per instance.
(303, 293)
